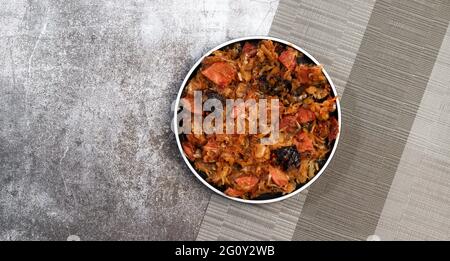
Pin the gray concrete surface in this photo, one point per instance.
(85, 91)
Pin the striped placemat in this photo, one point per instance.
(390, 61)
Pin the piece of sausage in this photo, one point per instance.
(246, 183)
(234, 192)
(278, 176)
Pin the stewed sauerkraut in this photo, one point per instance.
(239, 164)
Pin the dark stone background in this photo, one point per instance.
(85, 95)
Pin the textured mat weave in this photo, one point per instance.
(390, 62)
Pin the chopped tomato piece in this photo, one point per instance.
(334, 129)
(278, 176)
(303, 142)
(221, 73)
(234, 192)
(305, 115)
(302, 73)
(287, 58)
(188, 149)
(246, 183)
(249, 49)
(288, 122)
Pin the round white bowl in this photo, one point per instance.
(255, 201)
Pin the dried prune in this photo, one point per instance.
(287, 157)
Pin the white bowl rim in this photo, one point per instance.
(199, 177)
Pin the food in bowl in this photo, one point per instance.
(241, 165)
